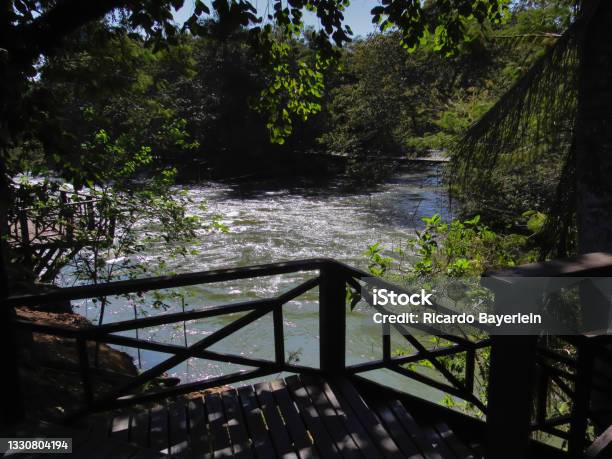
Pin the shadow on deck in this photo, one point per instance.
(298, 417)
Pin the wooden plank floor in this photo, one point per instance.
(299, 417)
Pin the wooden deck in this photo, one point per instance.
(299, 417)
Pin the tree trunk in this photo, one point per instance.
(593, 133)
(593, 142)
(11, 403)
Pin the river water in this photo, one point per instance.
(271, 222)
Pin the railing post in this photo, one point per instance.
(12, 406)
(84, 370)
(12, 401)
(332, 319)
(26, 247)
(511, 387)
(386, 343)
(594, 363)
(279, 336)
(581, 399)
(511, 383)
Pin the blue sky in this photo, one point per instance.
(357, 15)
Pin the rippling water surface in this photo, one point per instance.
(270, 222)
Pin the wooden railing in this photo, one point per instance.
(509, 398)
(47, 225)
(106, 333)
(524, 368)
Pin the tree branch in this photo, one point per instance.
(531, 35)
(43, 35)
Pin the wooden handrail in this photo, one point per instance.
(594, 264)
(601, 448)
(98, 332)
(417, 356)
(163, 282)
(104, 333)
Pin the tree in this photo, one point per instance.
(561, 110)
(593, 129)
(389, 102)
(555, 115)
(31, 30)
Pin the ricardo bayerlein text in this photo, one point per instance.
(432, 318)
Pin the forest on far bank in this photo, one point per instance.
(198, 104)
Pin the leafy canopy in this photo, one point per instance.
(35, 28)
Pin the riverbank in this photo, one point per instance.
(49, 366)
(50, 373)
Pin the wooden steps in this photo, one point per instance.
(299, 417)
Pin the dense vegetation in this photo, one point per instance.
(111, 114)
(108, 110)
(202, 100)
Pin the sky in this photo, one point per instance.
(357, 15)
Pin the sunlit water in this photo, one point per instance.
(271, 222)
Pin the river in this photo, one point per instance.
(270, 222)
